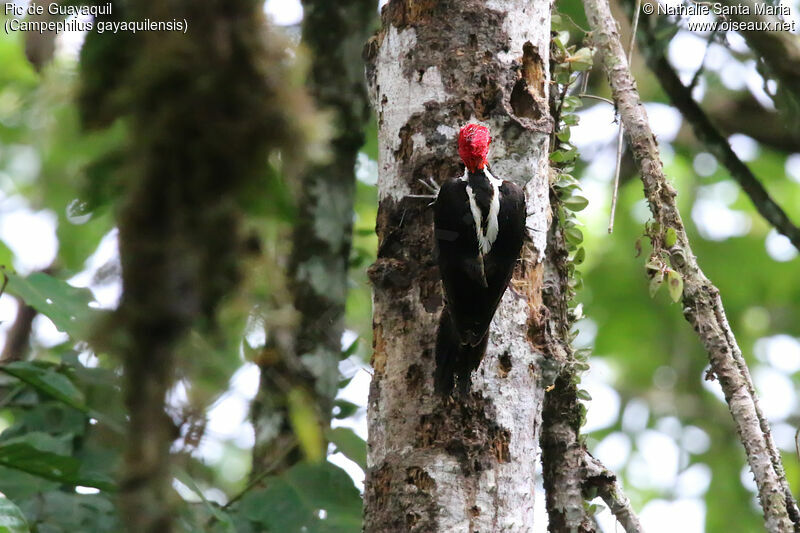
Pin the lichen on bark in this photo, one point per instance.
(467, 464)
(308, 353)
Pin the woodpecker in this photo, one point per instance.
(479, 226)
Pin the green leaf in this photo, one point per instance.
(346, 409)
(579, 256)
(655, 284)
(564, 135)
(46, 379)
(675, 284)
(6, 255)
(292, 501)
(278, 507)
(350, 350)
(576, 203)
(652, 264)
(670, 238)
(560, 156)
(566, 180)
(573, 235)
(67, 306)
(11, 518)
(581, 60)
(33, 453)
(350, 444)
(222, 517)
(572, 103)
(19, 485)
(582, 354)
(562, 74)
(583, 394)
(570, 119)
(306, 424)
(326, 486)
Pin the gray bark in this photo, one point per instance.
(308, 352)
(19, 336)
(562, 450)
(608, 488)
(702, 304)
(563, 455)
(467, 464)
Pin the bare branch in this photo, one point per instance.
(18, 337)
(594, 97)
(715, 142)
(608, 488)
(317, 273)
(743, 114)
(618, 166)
(701, 299)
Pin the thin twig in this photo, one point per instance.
(11, 394)
(261, 475)
(18, 337)
(595, 97)
(715, 142)
(618, 166)
(699, 71)
(255, 481)
(585, 81)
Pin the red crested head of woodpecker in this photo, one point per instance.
(473, 146)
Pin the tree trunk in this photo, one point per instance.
(203, 113)
(465, 464)
(307, 356)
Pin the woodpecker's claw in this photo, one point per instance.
(424, 196)
(430, 185)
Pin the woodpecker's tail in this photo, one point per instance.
(454, 360)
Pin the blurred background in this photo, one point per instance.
(653, 417)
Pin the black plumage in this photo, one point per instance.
(474, 279)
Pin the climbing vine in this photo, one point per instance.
(570, 64)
